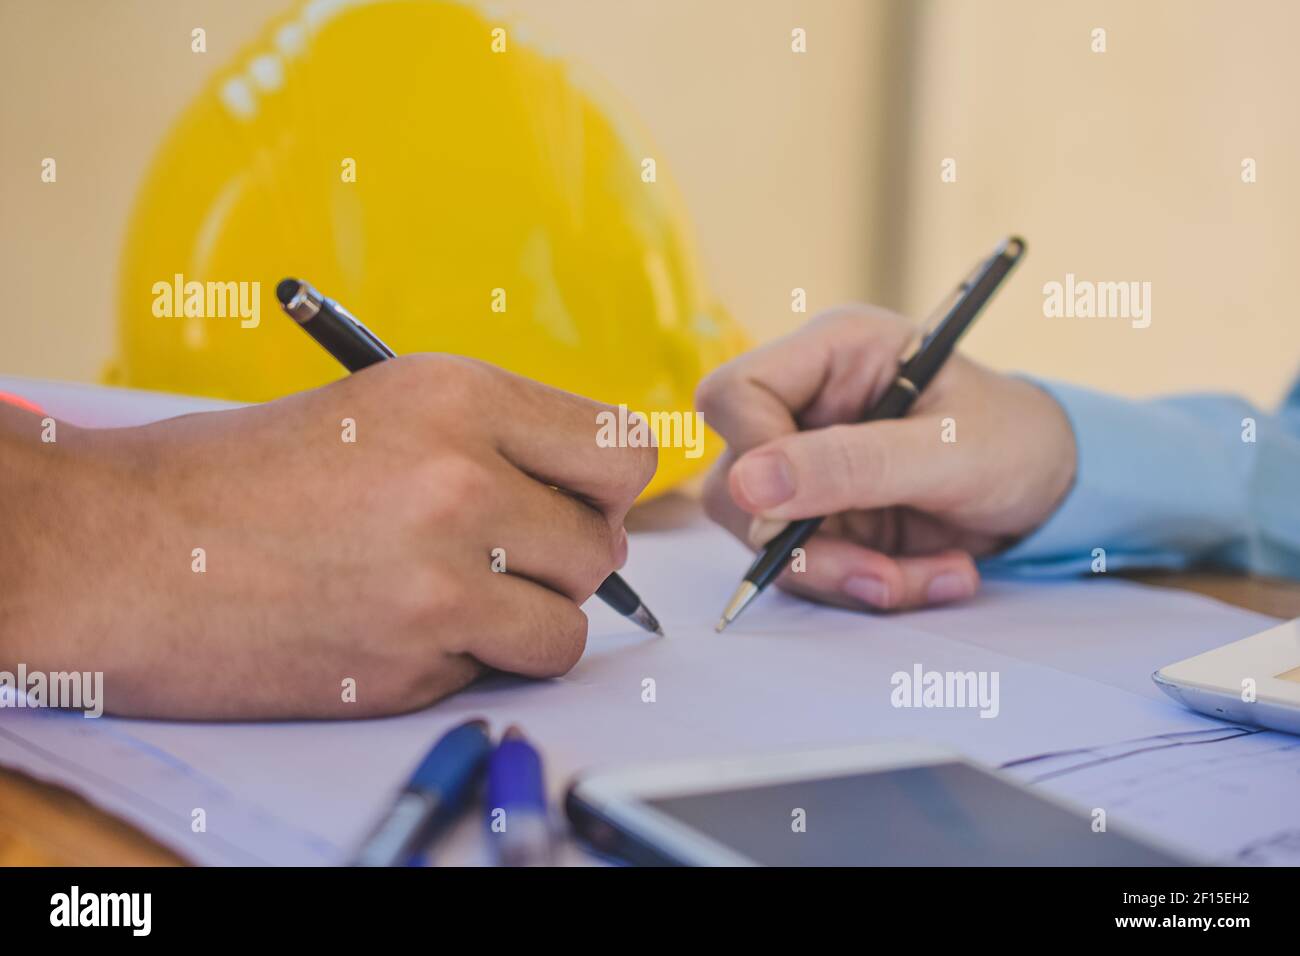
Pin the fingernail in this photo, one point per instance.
(949, 586)
(762, 530)
(871, 591)
(620, 549)
(765, 478)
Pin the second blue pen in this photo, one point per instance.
(519, 827)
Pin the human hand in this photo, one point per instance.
(907, 509)
(323, 560)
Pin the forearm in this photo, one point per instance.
(1169, 483)
(28, 479)
(72, 591)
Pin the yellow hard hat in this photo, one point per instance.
(456, 189)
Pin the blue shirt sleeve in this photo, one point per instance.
(1171, 482)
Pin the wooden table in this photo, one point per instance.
(41, 825)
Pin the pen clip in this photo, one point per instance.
(931, 325)
(1011, 249)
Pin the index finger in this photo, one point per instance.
(826, 373)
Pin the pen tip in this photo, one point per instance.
(646, 621)
(747, 591)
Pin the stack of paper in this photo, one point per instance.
(1070, 664)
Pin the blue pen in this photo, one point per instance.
(435, 792)
(518, 825)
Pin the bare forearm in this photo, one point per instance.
(46, 477)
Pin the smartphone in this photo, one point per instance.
(1253, 681)
(881, 804)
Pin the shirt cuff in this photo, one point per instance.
(1154, 487)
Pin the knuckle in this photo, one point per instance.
(419, 367)
(843, 323)
(573, 642)
(711, 394)
(454, 484)
(427, 598)
(456, 379)
(612, 555)
(858, 321)
(630, 469)
(838, 317)
(592, 562)
(643, 462)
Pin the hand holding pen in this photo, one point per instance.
(356, 348)
(979, 460)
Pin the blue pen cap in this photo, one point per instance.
(451, 767)
(515, 777)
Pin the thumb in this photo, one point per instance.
(849, 467)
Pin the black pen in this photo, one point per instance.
(914, 374)
(356, 347)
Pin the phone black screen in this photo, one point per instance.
(941, 815)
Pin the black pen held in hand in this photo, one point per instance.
(915, 372)
(356, 347)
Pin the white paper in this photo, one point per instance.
(787, 675)
(1073, 662)
(1227, 795)
(92, 406)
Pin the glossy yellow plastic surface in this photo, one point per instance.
(453, 196)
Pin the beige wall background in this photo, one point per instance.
(1123, 165)
(819, 170)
